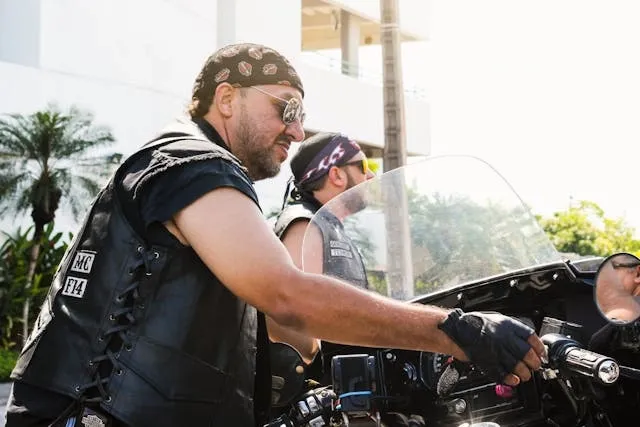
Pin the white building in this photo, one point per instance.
(132, 63)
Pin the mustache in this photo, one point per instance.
(286, 141)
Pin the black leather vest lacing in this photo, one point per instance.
(117, 338)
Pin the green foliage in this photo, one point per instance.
(377, 282)
(15, 254)
(49, 158)
(8, 360)
(454, 239)
(584, 229)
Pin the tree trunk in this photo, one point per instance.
(33, 263)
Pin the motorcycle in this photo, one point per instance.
(450, 231)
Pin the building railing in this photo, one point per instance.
(337, 65)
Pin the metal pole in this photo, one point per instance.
(395, 150)
(399, 261)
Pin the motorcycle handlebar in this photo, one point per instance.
(568, 355)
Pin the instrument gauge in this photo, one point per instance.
(431, 366)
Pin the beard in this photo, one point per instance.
(355, 202)
(255, 155)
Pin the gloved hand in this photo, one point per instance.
(492, 341)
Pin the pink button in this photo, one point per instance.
(504, 391)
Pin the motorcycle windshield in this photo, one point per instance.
(426, 227)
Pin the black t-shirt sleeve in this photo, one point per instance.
(178, 187)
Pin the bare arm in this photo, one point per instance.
(306, 345)
(230, 235)
(626, 309)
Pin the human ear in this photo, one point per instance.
(223, 99)
(337, 176)
(636, 275)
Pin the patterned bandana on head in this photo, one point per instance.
(244, 65)
(315, 156)
(327, 150)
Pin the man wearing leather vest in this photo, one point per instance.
(154, 316)
(325, 165)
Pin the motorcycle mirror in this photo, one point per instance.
(617, 288)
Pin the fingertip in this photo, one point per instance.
(512, 380)
(536, 343)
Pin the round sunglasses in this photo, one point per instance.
(291, 109)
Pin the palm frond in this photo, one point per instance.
(89, 185)
(12, 164)
(16, 136)
(101, 165)
(47, 158)
(11, 187)
(78, 134)
(78, 190)
(23, 200)
(11, 156)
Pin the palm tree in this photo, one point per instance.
(47, 158)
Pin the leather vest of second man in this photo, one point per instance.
(341, 258)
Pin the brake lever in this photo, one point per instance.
(628, 372)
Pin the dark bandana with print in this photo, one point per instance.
(247, 64)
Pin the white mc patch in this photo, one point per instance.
(74, 287)
(83, 261)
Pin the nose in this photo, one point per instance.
(370, 175)
(296, 131)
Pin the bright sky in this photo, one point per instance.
(548, 92)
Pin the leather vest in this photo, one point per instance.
(340, 259)
(146, 332)
(293, 212)
(340, 256)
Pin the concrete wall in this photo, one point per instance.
(132, 64)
